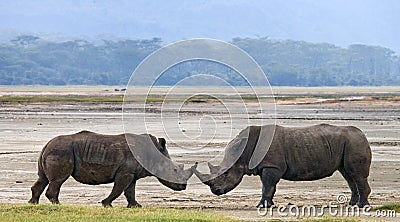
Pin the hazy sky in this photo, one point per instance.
(341, 22)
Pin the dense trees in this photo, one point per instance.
(30, 60)
(305, 64)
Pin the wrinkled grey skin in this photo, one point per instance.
(92, 158)
(296, 154)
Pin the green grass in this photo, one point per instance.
(111, 99)
(67, 213)
(391, 206)
(333, 219)
(35, 99)
(61, 213)
(171, 98)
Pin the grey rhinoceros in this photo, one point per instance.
(92, 158)
(295, 154)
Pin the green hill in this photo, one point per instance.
(29, 60)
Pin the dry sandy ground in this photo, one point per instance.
(25, 128)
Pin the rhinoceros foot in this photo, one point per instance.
(265, 203)
(106, 203)
(33, 201)
(133, 205)
(363, 204)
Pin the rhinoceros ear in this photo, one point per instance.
(162, 142)
(238, 146)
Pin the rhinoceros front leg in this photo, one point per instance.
(269, 178)
(130, 195)
(121, 182)
(266, 198)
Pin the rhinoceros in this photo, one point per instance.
(295, 154)
(92, 158)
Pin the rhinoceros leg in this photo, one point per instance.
(353, 187)
(130, 195)
(38, 188)
(357, 165)
(53, 190)
(57, 171)
(269, 178)
(364, 190)
(267, 195)
(121, 182)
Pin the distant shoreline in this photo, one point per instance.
(282, 95)
(244, 89)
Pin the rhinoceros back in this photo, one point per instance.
(99, 157)
(101, 150)
(313, 152)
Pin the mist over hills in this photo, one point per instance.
(298, 42)
(339, 22)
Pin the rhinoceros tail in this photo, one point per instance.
(41, 172)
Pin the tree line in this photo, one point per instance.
(30, 60)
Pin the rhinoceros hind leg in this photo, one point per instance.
(364, 190)
(353, 187)
(57, 169)
(269, 178)
(121, 182)
(53, 190)
(37, 189)
(130, 195)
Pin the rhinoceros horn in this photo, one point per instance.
(186, 173)
(202, 176)
(213, 169)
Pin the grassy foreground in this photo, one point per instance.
(67, 213)
(61, 213)
(391, 206)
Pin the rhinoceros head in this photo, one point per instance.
(229, 173)
(153, 155)
(179, 176)
(169, 173)
(223, 180)
(242, 156)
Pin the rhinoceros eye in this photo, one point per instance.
(175, 170)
